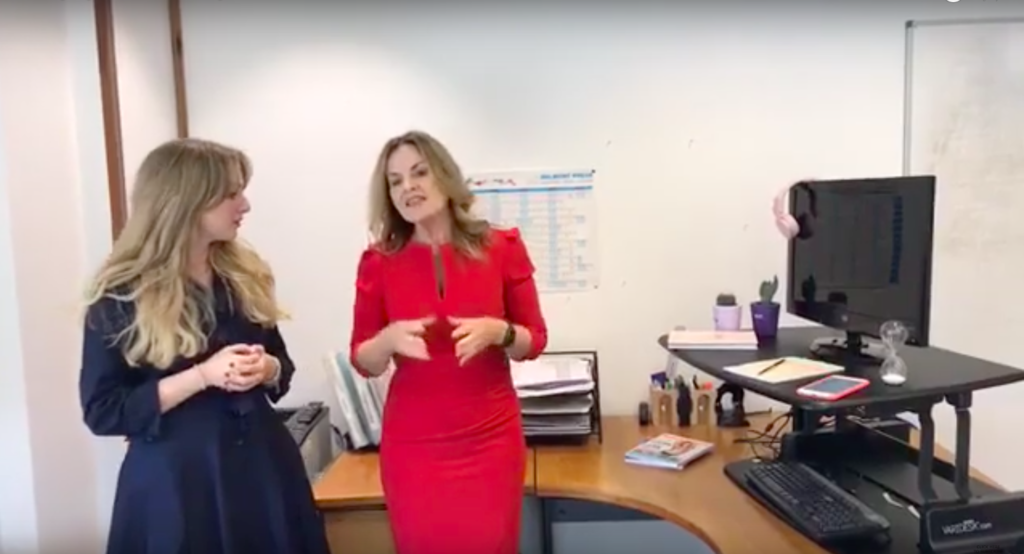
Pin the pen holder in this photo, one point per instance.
(703, 406)
(663, 406)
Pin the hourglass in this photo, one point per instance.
(894, 370)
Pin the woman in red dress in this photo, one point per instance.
(450, 299)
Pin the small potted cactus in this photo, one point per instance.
(728, 314)
(765, 311)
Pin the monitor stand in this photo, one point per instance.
(852, 350)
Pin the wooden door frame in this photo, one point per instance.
(178, 62)
(110, 99)
(113, 143)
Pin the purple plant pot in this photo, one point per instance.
(765, 317)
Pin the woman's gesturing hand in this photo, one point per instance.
(406, 338)
(474, 335)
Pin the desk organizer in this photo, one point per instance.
(362, 401)
(554, 416)
(663, 406)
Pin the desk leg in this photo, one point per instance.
(927, 455)
(962, 404)
(803, 421)
(546, 541)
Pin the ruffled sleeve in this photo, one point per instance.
(522, 302)
(369, 316)
(116, 399)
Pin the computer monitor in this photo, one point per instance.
(862, 257)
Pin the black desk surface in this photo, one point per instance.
(932, 372)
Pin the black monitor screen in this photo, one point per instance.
(863, 254)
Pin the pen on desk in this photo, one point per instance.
(772, 366)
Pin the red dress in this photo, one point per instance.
(453, 454)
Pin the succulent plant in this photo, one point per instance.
(768, 290)
(726, 299)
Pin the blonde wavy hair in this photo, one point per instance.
(176, 183)
(391, 232)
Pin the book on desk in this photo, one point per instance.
(669, 451)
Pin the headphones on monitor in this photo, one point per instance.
(789, 226)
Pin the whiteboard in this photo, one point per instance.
(965, 125)
(965, 114)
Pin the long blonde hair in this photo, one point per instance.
(391, 232)
(174, 186)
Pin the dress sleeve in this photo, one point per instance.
(116, 399)
(522, 303)
(368, 313)
(273, 344)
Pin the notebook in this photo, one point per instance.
(684, 339)
(784, 369)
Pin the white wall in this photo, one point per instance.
(693, 118)
(18, 530)
(684, 114)
(145, 75)
(53, 173)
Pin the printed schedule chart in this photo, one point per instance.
(554, 212)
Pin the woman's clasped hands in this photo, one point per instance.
(238, 368)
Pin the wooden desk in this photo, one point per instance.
(700, 499)
(351, 497)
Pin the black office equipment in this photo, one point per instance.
(941, 372)
(863, 257)
(310, 428)
(879, 463)
(956, 527)
(644, 414)
(736, 415)
(817, 506)
(684, 404)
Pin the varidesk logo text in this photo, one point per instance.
(965, 527)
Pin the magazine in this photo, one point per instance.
(668, 451)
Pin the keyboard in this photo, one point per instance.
(813, 504)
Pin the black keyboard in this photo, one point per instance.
(813, 504)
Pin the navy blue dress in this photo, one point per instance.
(219, 473)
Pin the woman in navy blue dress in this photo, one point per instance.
(183, 357)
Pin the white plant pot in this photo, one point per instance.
(728, 318)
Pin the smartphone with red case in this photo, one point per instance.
(833, 387)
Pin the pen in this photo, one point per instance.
(771, 366)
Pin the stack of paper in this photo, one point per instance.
(684, 339)
(556, 393)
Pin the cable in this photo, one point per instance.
(771, 436)
(767, 437)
